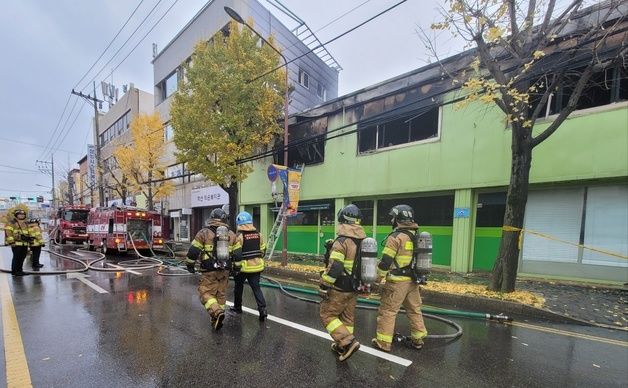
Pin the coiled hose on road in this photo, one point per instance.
(283, 289)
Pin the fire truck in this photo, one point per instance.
(124, 228)
(69, 224)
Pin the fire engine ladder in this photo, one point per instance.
(275, 232)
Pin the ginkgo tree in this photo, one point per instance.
(525, 50)
(219, 115)
(141, 161)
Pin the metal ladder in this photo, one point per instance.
(275, 232)
(278, 225)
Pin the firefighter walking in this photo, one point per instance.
(17, 236)
(36, 243)
(213, 245)
(338, 285)
(248, 263)
(401, 287)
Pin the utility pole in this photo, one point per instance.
(49, 168)
(94, 101)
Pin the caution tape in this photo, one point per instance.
(507, 228)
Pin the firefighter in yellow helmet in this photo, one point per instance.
(338, 286)
(17, 236)
(36, 243)
(213, 246)
(401, 287)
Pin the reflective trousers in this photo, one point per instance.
(338, 315)
(211, 291)
(19, 254)
(393, 296)
(253, 279)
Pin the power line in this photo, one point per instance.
(123, 45)
(17, 168)
(109, 45)
(24, 191)
(55, 142)
(36, 145)
(56, 127)
(145, 35)
(331, 40)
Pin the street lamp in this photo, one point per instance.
(236, 17)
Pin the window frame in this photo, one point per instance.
(304, 78)
(377, 149)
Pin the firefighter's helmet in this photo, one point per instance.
(350, 214)
(218, 214)
(401, 213)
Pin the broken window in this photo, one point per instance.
(417, 126)
(604, 87)
(307, 142)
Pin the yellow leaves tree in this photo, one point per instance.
(218, 115)
(141, 161)
(524, 51)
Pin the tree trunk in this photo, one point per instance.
(232, 190)
(504, 272)
(150, 191)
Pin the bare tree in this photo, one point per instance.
(525, 52)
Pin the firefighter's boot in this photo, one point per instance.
(262, 314)
(348, 350)
(217, 322)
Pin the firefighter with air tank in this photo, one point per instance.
(406, 260)
(345, 276)
(212, 245)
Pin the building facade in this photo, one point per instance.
(405, 140)
(83, 189)
(113, 131)
(314, 79)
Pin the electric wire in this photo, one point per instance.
(109, 45)
(123, 45)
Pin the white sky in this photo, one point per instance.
(48, 45)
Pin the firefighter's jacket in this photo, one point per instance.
(17, 233)
(397, 253)
(343, 253)
(34, 231)
(249, 250)
(203, 245)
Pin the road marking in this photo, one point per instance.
(15, 358)
(322, 334)
(570, 334)
(124, 269)
(81, 277)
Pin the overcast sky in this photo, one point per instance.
(48, 45)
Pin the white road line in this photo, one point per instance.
(322, 334)
(81, 277)
(124, 269)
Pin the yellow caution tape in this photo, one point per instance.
(507, 228)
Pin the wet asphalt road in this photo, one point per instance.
(150, 330)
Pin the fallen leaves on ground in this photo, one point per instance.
(524, 297)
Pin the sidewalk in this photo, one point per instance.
(545, 299)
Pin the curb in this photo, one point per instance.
(471, 303)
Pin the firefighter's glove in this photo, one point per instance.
(191, 268)
(323, 291)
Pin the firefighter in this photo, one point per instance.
(248, 263)
(37, 242)
(401, 287)
(214, 269)
(17, 236)
(338, 286)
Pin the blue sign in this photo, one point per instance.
(272, 172)
(462, 212)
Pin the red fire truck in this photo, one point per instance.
(124, 228)
(69, 224)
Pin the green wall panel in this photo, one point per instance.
(486, 247)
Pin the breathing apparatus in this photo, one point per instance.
(368, 264)
(222, 247)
